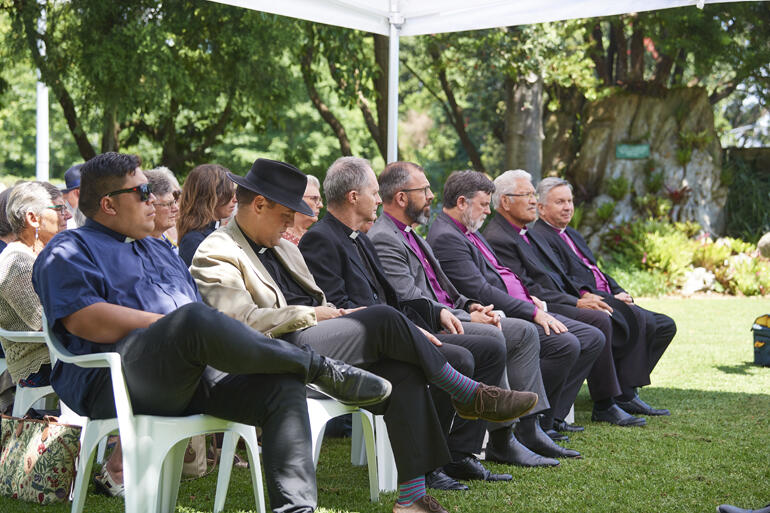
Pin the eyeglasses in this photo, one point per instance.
(314, 199)
(144, 191)
(58, 208)
(177, 194)
(524, 195)
(166, 204)
(425, 190)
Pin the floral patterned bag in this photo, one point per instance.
(37, 459)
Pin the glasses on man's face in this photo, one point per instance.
(144, 191)
(425, 190)
(314, 199)
(58, 208)
(522, 195)
(165, 204)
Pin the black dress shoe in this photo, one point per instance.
(617, 416)
(513, 453)
(438, 480)
(532, 436)
(556, 436)
(470, 468)
(563, 426)
(639, 407)
(349, 384)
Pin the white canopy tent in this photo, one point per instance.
(395, 18)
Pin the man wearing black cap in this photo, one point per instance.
(249, 272)
(102, 289)
(71, 194)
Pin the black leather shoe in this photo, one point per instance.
(556, 436)
(438, 480)
(563, 426)
(513, 453)
(617, 416)
(470, 468)
(349, 384)
(726, 508)
(639, 407)
(532, 436)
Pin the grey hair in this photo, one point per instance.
(28, 197)
(506, 182)
(465, 183)
(160, 181)
(345, 175)
(312, 180)
(5, 228)
(546, 185)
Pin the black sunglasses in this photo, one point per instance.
(144, 191)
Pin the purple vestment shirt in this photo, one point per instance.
(406, 231)
(601, 282)
(513, 284)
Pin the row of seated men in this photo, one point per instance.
(458, 335)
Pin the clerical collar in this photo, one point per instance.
(560, 230)
(354, 234)
(521, 231)
(401, 226)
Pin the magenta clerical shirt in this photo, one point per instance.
(513, 284)
(406, 231)
(601, 281)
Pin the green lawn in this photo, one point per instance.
(713, 449)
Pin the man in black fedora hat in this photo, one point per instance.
(71, 194)
(111, 286)
(249, 272)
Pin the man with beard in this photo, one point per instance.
(623, 358)
(345, 265)
(414, 271)
(577, 264)
(467, 259)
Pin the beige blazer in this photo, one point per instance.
(232, 279)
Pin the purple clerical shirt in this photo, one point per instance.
(441, 295)
(601, 281)
(513, 284)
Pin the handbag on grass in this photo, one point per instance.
(37, 459)
(195, 457)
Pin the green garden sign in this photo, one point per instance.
(632, 151)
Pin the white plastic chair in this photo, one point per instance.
(26, 397)
(153, 446)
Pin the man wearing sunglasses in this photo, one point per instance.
(110, 286)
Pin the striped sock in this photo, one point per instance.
(460, 387)
(410, 491)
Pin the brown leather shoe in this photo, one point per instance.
(425, 504)
(496, 405)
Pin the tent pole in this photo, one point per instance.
(42, 152)
(396, 20)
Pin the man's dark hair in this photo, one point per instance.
(465, 183)
(244, 196)
(394, 178)
(103, 174)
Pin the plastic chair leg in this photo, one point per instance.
(367, 429)
(225, 470)
(171, 476)
(386, 464)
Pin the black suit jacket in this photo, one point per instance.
(522, 258)
(572, 266)
(336, 265)
(470, 272)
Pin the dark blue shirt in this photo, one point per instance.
(2, 246)
(94, 264)
(189, 243)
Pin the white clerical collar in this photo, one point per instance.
(353, 235)
(128, 240)
(262, 250)
(560, 230)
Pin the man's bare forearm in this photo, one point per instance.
(105, 323)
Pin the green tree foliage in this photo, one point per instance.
(177, 74)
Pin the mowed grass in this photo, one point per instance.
(714, 448)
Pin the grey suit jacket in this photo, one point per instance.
(232, 279)
(404, 268)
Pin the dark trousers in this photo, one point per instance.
(382, 340)
(565, 361)
(481, 356)
(260, 382)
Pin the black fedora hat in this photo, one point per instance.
(276, 181)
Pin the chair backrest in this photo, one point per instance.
(108, 360)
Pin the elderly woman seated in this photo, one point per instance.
(166, 190)
(302, 223)
(35, 212)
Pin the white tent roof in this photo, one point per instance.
(434, 16)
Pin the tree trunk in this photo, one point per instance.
(110, 129)
(621, 51)
(381, 53)
(561, 128)
(637, 55)
(524, 125)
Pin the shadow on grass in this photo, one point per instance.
(739, 368)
